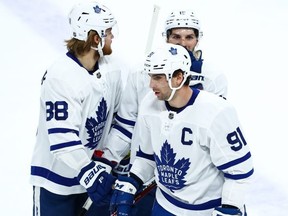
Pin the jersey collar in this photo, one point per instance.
(73, 57)
(190, 102)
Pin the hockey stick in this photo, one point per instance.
(86, 207)
(137, 198)
(153, 25)
(145, 191)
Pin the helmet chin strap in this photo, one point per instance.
(99, 48)
(174, 89)
(172, 94)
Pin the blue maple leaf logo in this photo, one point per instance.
(173, 51)
(171, 174)
(97, 9)
(95, 127)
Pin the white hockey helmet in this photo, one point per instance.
(90, 16)
(166, 60)
(182, 19)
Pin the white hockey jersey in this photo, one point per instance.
(198, 153)
(214, 81)
(136, 88)
(76, 112)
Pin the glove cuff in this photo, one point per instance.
(127, 185)
(219, 211)
(137, 179)
(90, 172)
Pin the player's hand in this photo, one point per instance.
(220, 211)
(97, 181)
(197, 79)
(123, 196)
(123, 167)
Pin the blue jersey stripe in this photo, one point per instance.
(204, 206)
(140, 153)
(235, 162)
(123, 131)
(65, 145)
(53, 177)
(62, 130)
(125, 121)
(239, 176)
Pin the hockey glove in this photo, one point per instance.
(123, 196)
(227, 211)
(196, 65)
(123, 167)
(197, 79)
(97, 181)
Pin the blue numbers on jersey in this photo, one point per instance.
(236, 139)
(57, 110)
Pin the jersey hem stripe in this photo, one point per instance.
(204, 206)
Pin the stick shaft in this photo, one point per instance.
(153, 25)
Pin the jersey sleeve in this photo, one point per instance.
(231, 155)
(119, 140)
(214, 81)
(143, 165)
(63, 117)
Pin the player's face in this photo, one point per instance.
(107, 50)
(183, 36)
(160, 87)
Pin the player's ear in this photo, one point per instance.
(179, 78)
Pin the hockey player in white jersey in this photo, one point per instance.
(183, 28)
(191, 141)
(79, 95)
(180, 27)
